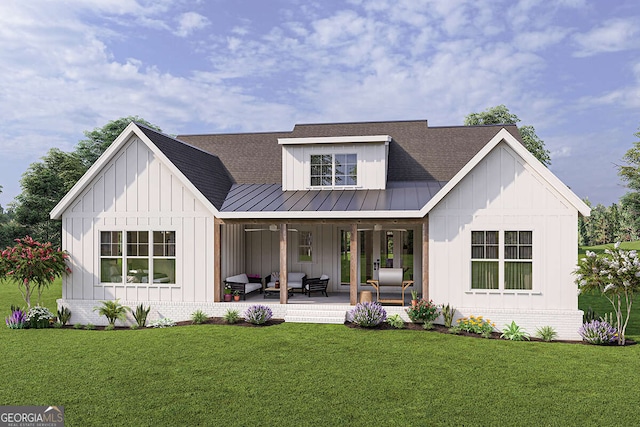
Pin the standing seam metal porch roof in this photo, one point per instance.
(399, 196)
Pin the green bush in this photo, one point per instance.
(513, 332)
(396, 321)
(546, 333)
(198, 317)
(64, 315)
(447, 314)
(231, 316)
(423, 311)
(113, 311)
(140, 315)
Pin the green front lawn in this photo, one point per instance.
(305, 374)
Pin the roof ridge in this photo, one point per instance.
(175, 139)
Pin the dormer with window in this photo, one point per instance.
(335, 163)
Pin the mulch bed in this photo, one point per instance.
(381, 327)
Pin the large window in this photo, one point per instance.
(334, 170)
(149, 261)
(512, 266)
(484, 259)
(518, 255)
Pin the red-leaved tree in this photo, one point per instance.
(32, 265)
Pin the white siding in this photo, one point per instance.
(372, 163)
(502, 193)
(136, 191)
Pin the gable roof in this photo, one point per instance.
(417, 152)
(203, 173)
(239, 175)
(531, 161)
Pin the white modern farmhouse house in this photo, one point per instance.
(466, 212)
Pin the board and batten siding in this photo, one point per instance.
(136, 191)
(372, 163)
(503, 193)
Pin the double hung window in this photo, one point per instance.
(328, 170)
(147, 257)
(502, 260)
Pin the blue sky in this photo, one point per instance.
(571, 68)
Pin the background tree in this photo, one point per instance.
(98, 140)
(501, 115)
(46, 182)
(630, 174)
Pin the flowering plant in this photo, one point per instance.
(17, 320)
(476, 325)
(598, 332)
(616, 275)
(367, 314)
(32, 265)
(257, 314)
(424, 311)
(39, 317)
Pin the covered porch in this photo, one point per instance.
(322, 247)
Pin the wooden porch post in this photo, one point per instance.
(217, 260)
(353, 265)
(284, 292)
(425, 258)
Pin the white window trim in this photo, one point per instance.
(333, 185)
(501, 261)
(124, 230)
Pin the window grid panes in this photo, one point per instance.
(518, 250)
(305, 246)
(334, 170)
(111, 256)
(141, 266)
(484, 247)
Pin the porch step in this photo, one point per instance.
(310, 314)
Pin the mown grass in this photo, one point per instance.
(312, 375)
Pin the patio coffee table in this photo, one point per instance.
(275, 292)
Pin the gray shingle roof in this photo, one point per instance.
(203, 169)
(416, 153)
(242, 172)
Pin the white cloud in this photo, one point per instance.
(612, 36)
(190, 22)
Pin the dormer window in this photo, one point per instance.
(328, 170)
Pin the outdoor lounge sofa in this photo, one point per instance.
(242, 284)
(295, 280)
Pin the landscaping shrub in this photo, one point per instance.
(447, 314)
(198, 317)
(232, 316)
(165, 322)
(598, 332)
(140, 315)
(39, 317)
(546, 333)
(257, 314)
(113, 311)
(424, 311)
(367, 314)
(514, 332)
(476, 325)
(64, 315)
(17, 320)
(396, 321)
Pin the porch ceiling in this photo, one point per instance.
(265, 198)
